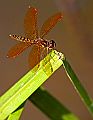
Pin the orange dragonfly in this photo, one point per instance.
(40, 46)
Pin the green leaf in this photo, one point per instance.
(16, 95)
(78, 86)
(50, 106)
(17, 113)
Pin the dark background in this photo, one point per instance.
(74, 37)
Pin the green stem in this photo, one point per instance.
(78, 86)
(50, 106)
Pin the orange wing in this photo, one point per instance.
(34, 56)
(49, 24)
(30, 23)
(47, 67)
(17, 49)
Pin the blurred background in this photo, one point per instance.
(73, 36)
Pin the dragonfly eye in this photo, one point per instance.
(52, 44)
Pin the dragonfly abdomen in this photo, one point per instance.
(20, 38)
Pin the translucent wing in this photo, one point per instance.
(30, 23)
(34, 56)
(49, 24)
(47, 67)
(44, 52)
(17, 49)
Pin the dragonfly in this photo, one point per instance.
(33, 38)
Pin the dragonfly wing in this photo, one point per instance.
(17, 49)
(47, 67)
(34, 56)
(49, 24)
(44, 52)
(30, 23)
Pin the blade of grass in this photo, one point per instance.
(50, 106)
(17, 113)
(78, 86)
(16, 95)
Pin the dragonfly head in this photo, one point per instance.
(52, 44)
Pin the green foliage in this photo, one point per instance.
(12, 102)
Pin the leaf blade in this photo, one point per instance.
(50, 106)
(78, 86)
(15, 96)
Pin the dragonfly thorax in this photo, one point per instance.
(45, 43)
(40, 42)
